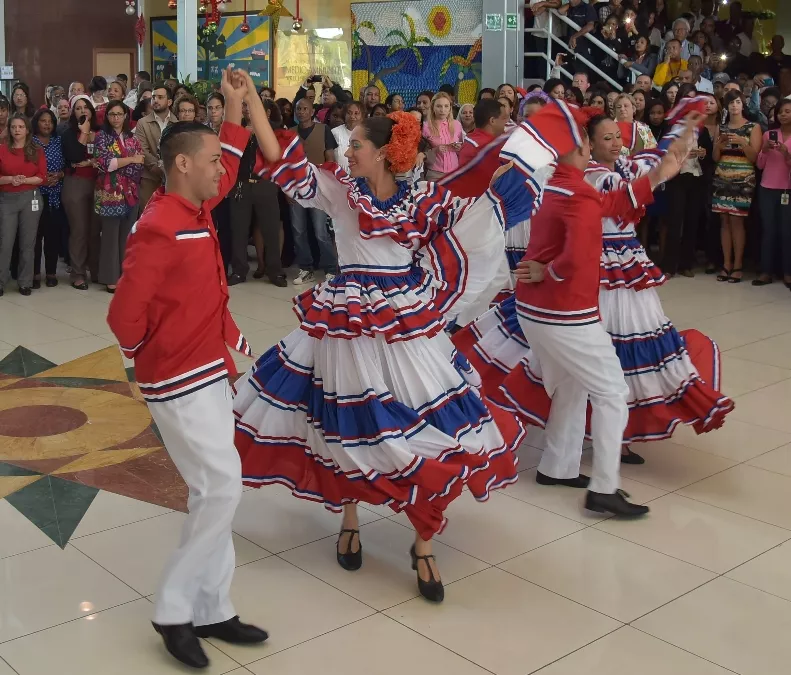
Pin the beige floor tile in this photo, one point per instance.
(774, 351)
(19, 535)
(118, 641)
(767, 407)
(778, 460)
(5, 669)
(68, 350)
(117, 550)
(364, 648)
(698, 533)
(386, 577)
(22, 326)
(292, 605)
(771, 572)
(69, 308)
(570, 502)
(504, 624)
(500, 528)
(48, 586)
(529, 456)
(261, 308)
(110, 510)
(744, 327)
(752, 492)
(741, 377)
(630, 651)
(608, 574)
(249, 326)
(735, 440)
(733, 625)
(277, 521)
(669, 466)
(264, 339)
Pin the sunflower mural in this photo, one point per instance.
(408, 47)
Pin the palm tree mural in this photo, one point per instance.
(212, 42)
(358, 43)
(469, 73)
(407, 44)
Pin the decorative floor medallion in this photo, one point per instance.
(68, 431)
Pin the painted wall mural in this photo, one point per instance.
(408, 47)
(217, 47)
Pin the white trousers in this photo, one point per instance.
(198, 431)
(577, 363)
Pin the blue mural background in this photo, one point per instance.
(408, 47)
(251, 51)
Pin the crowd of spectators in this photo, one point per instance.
(731, 197)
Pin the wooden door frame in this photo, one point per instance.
(117, 50)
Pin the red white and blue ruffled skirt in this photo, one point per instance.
(673, 377)
(368, 401)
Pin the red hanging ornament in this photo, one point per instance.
(140, 30)
(172, 4)
(245, 27)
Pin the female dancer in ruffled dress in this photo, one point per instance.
(367, 399)
(673, 378)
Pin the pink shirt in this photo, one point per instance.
(444, 162)
(777, 172)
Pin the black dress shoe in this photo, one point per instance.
(615, 503)
(350, 560)
(432, 589)
(51, 282)
(233, 631)
(36, 284)
(235, 279)
(183, 644)
(580, 481)
(631, 458)
(24, 290)
(279, 280)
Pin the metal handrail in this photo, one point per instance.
(595, 41)
(551, 37)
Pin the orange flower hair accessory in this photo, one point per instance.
(404, 140)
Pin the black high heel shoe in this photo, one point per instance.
(350, 560)
(433, 589)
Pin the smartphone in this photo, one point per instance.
(773, 136)
(315, 78)
(769, 82)
(82, 119)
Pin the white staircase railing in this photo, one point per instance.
(546, 33)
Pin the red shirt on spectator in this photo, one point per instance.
(13, 163)
(472, 145)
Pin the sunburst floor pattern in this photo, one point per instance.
(69, 431)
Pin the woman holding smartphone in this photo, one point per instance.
(119, 158)
(77, 195)
(445, 135)
(773, 197)
(735, 153)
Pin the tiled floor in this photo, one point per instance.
(700, 587)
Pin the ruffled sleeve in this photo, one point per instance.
(312, 186)
(467, 255)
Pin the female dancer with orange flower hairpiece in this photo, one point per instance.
(368, 401)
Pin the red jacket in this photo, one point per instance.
(566, 235)
(170, 310)
(473, 143)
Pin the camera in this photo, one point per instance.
(315, 78)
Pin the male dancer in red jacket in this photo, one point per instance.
(558, 311)
(170, 314)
